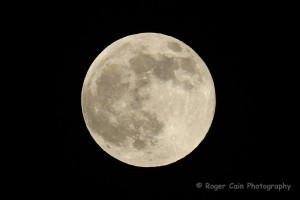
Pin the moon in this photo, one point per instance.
(148, 100)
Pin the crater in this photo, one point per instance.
(174, 46)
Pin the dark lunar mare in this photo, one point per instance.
(110, 89)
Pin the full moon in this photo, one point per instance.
(148, 100)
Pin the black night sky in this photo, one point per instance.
(247, 142)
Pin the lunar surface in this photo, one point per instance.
(148, 100)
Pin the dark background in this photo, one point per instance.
(245, 49)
